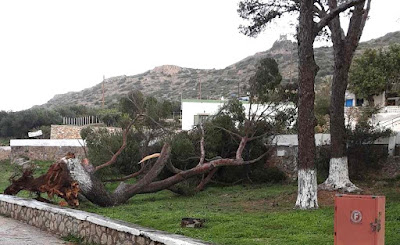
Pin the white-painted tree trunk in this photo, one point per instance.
(90, 187)
(78, 173)
(338, 178)
(307, 189)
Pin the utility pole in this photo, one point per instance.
(291, 62)
(238, 95)
(103, 93)
(200, 88)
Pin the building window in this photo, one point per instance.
(359, 102)
(200, 119)
(349, 103)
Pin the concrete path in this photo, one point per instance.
(13, 232)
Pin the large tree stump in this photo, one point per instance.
(57, 181)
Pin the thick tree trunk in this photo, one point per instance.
(344, 48)
(338, 166)
(90, 187)
(307, 189)
(307, 193)
(339, 176)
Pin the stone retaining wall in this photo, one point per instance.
(45, 149)
(74, 132)
(65, 132)
(91, 228)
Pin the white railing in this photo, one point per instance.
(390, 123)
(81, 121)
(390, 109)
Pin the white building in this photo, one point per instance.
(196, 111)
(388, 116)
(352, 101)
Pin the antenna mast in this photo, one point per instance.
(103, 93)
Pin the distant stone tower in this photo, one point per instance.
(283, 37)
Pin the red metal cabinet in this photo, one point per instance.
(359, 220)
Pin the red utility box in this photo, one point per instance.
(359, 220)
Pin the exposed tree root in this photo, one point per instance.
(56, 181)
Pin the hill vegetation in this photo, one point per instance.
(173, 82)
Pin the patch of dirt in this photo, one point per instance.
(287, 201)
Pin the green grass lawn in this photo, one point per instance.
(250, 214)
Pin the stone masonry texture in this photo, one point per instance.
(46, 153)
(92, 228)
(73, 132)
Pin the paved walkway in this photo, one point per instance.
(13, 232)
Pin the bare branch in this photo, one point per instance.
(260, 14)
(335, 12)
(202, 151)
(172, 168)
(228, 131)
(258, 137)
(131, 176)
(206, 167)
(256, 159)
(356, 26)
(157, 123)
(206, 180)
(123, 146)
(84, 149)
(241, 147)
(130, 190)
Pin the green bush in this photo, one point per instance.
(101, 146)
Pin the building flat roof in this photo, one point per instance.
(210, 101)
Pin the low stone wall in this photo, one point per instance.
(74, 132)
(65, 132)
(91, 228)
(285, 159)
(5, 152)
(46, 150)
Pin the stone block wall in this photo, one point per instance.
(285, 159)
(73, 132)
(45, 149)
(65, 132)
(91, 228)
(5, 152)
(46, 153)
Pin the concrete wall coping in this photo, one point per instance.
(320, 139)
(5, 148)
(47, 142)
(155, 235)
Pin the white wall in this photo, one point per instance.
(380, 100)
(190, 108)
(47, 142)
(321, 139)
(292, 140)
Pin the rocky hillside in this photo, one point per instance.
(172, 82)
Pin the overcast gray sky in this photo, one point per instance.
(53, 47)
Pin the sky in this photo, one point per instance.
(53, 47)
